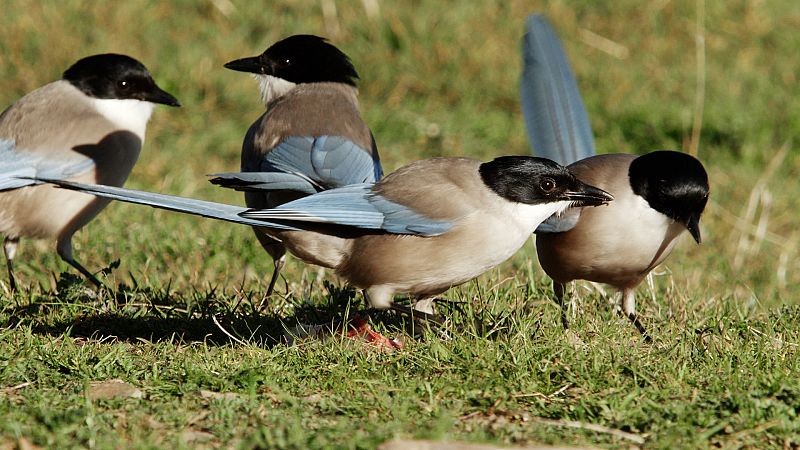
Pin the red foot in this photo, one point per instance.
(360, 328)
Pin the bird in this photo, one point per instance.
(657, 196)
(89, 127)
(311, 137)
(430, 225)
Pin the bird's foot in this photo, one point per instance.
(359, 328)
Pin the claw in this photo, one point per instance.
(360, 328)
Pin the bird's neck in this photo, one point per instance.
(272, 87)
(128, 114)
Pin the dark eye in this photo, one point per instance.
(547, 184)
(123, 85)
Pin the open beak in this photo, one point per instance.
(251, 64)
(586, 195)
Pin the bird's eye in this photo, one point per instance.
(123, 85)
(287, 61)
(547, 184)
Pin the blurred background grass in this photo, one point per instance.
(441, 78)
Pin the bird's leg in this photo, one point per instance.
(425, 305)
(629, 309)
(559, 289)
(418, 314)
(360, 328)
(277, 251)
(279, 263)
(64, 249)
(378, 298)
(10, 248)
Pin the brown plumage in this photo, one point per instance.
(620, 243)
(95, 123)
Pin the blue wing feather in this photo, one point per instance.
(265, 181)
(18, 168)
(356, 206)
(313, 164)
(555, 116)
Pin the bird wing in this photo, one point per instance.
(555, 117)
(18, 168)
(559, 223)
(264, 181)
(308, 164)
(354, 206)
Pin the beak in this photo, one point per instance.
(586, 195)
(251, 64)
(693, 225)
(158, 95)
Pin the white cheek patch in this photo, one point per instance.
(272, 87)
(127, 114)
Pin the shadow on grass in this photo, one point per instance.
(135, 313)
(160, 314)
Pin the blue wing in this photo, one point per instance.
(265, 181)
(555, 117)
(355, 206)
(309, 164)
(18, 168)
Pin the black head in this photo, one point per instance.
(302, 58)
(531, 180)
(674, 184)
(112, 76)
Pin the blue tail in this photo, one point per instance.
(356, 206)
(219, 211)
(556, 119)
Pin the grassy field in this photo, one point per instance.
(437, 78)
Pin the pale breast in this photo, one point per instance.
(617, 243)
(487, 230)
(60, 123)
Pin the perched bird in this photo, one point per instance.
(311, 137)
(657, 196)
(430, 225)
(87, 127)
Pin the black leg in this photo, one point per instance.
(10, 248)
(275, 274)
(64, 250)
(629, 310)
(559, 289)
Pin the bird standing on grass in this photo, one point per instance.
(311, 137)
(425, 228)
(657, 196)
(87, 127)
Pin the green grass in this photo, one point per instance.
(724, 368)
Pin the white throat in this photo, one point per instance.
(128, 114)
(272, 87)
(530, 216)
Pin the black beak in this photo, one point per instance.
(586, 195)
(693, 225)
(250, 65)
(158, 95)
